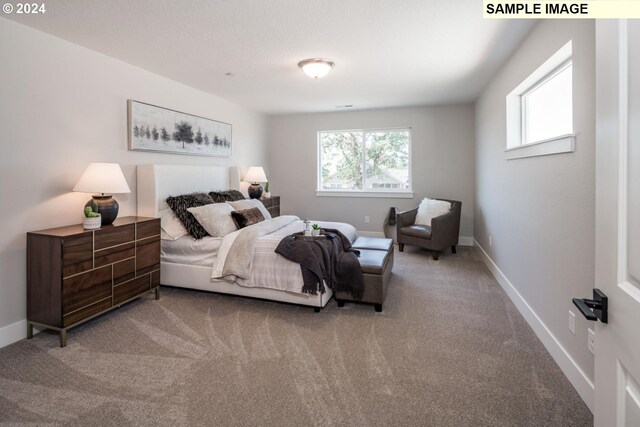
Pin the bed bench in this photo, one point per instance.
(376, 261)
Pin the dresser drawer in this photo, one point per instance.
(85, 289)
(108, 237)
(77, 254)
(114, 254)
(83, 313)
(124, 270)
(148, 229)
(131, 288)
(147, 255)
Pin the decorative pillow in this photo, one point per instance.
(171, 225)
(429, 209)
(247, 217)
(251, 203)
(179, 206)
(215, 218)
(226, 196)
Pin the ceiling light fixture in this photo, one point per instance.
(316, 67)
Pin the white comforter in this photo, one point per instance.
(268, 269)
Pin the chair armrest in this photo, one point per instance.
(402, 220)
(406, 218)
(445, 229)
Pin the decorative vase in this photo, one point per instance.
(92, 223)
(266, 195)
(315, 232)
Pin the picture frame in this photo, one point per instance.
(163, 130)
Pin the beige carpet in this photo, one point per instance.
(449, 349)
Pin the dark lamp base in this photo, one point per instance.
(107, 208)
(255, 191)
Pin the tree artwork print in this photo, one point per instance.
(153, 128)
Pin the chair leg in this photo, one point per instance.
(435, 255)
(453, 249)
(378, 307)
(401, 246)
(340, 303)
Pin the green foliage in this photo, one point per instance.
(342, 155)
(315, 227)
(266, 187)
(342, 152)
(386, 150)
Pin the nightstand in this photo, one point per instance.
(74, 274)
(273, 205)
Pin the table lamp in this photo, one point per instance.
(255, 175)
(106, 179)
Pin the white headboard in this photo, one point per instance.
(157, 182)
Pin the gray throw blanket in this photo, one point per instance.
(331, 260)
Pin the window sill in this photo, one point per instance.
(374, 194)
(559, 145)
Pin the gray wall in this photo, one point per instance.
(64, 106)
(442, 166)
(540, 211)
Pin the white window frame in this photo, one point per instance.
(517, 146)
(383, 193)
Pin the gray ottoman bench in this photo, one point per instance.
(376, 261)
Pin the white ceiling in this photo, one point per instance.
(387, 53)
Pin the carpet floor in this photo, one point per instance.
(449, 349)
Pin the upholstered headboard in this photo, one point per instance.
(157, 182)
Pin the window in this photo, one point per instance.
(374, 162)
(540, 110)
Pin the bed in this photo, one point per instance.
(180, 269)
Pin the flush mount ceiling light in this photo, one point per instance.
(316, 67)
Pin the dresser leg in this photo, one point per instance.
(157, 293)
(63, 338)
(29, 330)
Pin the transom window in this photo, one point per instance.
(372, 160)
(547, 108)
(540, 109)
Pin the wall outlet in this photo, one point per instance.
(591, 340)
(572, 322)
(490, 243)
(366, 220)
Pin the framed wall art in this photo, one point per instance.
(153, 128)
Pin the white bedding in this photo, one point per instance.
(270, 270)
(187, 250)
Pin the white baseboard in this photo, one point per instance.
(583, 385)
(465, 241)
(462, 240)
(13, 332)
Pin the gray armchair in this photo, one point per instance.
(443, 233)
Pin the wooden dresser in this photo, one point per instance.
(74, 274)
(273, 205)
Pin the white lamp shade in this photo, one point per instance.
(255, 174)
(104, 178)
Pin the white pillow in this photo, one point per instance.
(429, 209)
(215, 218)
(251, 203)
(171, 225)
